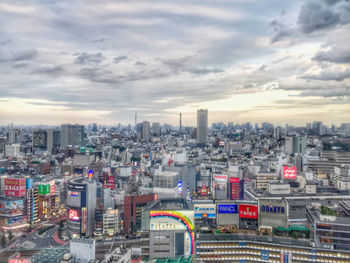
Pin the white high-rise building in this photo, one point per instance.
(202, 125)
(146, 131)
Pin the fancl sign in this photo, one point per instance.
(272, 209)
(227, 209)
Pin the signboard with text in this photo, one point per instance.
(15, 187)
(248, 211)
(289, 172)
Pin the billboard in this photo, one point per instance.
(205, 210)
(11, 207)
(18, 260)
(52, 186)
(15, 187)
(171, 220)
(234, 180)
(289, 172)
(175, 220)
(44, 188)
(228, 209)
(29, 183)
(273, 209)
(248, 211)
(73, 215)
(220, 178)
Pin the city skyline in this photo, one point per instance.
(88, 61)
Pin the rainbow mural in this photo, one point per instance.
(179, 216)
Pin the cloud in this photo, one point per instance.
(139, 63)
(49, 70)
(323, 14)
(327, 93)
(329, 75)
(116, 60)
(336, 54)
(85, 58)
(20, 56)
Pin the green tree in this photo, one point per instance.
(11, 236)
(61, 225)
(3, 240)
(295, 234)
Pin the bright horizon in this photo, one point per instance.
(245, 61)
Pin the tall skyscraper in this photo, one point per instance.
(180, 126)
(72, 135)
(146, 131)
(156, 129)
(202, 126)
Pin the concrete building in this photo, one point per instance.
(111, 222)
(82, 250)
(202, 126)
(71, 135)
(146, 131)
(12, 150)
(156, 129)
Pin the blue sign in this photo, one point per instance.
(264, 255)
(242, 244)
(227, 209)
(286, 256)
(272, 209)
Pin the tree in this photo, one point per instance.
(295, 234)
(3, 240)
(11, 236)
(61, 225)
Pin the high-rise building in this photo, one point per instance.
(202, 126)
(56, 138)
(81, 205)
(146, 131)
(14, 136)
(156, 129)
(299, 144)
(72, 135)
(94, 127)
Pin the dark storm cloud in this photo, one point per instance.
(117, 60)
(85, 58)
(329, 75)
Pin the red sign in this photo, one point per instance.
(234, 180)
(289, 172)
(52, 186)
(111, 179)
(248, 211)
(73, 215)
(15, 187)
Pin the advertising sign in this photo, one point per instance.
(15, 187)
(11, 207)
(175, 220)
(171, 220)
(289, 172)
(52, 186)
(44, 188)
(73, 215)
(234, 180)
(18, 260)
(273, 209)
(205, 210)
(220, 178)
(228, 209)
(248, 211)
(264, 255)
(29, 183)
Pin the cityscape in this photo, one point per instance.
(174, 131)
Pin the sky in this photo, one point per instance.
(101, 61)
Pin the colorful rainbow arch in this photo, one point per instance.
(182, 218)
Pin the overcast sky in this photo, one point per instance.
(100, 61)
